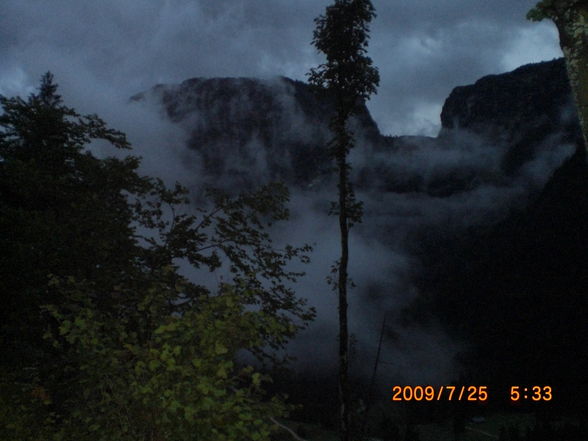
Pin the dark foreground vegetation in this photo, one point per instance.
(101, 337)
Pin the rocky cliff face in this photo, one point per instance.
(507, 104)
(249, 131)
(517, 288)
(521, 109)
(495, 238)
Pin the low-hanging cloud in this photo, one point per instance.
(103, 53)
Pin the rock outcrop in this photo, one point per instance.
(521, 109)
(250, 131)
(493, 209)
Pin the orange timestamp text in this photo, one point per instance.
(532, 393)
(440, 393)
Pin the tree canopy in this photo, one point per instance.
(571, 19)
(102, 337)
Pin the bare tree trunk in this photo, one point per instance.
(342, 285)
(373, 379)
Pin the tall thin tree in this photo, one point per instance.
(349, 78)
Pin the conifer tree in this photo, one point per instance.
(102, 338)
(349, 78)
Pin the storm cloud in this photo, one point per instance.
(422, 48)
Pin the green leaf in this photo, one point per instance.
(221, 372)
(160, 330)
(175, 405)
(220, 349)
(65, 327)
(139, 367)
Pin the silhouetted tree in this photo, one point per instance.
(342, 34)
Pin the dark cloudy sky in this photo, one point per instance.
(423, 48)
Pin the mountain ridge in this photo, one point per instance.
(277, 129)
(490, 212)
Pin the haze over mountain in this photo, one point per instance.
(429, 201)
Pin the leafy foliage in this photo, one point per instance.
(550, 9)
(342, 34)
(571, 19)
(167, 377)
(103, 337)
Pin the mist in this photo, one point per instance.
(383, 248)
(103, 54)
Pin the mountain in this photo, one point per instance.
(521, 109)
(490, 213)
(517, 288)
(247, 129)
